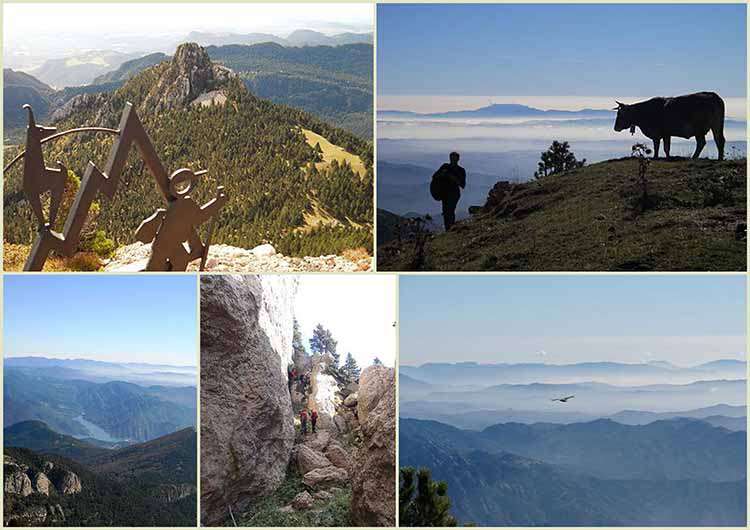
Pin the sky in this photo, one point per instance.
(358, 309)
(61, 29)
(489, 51)
(682, 319)
(117, 318)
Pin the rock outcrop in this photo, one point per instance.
(374, 383)
(174, 492)
(226, 258)
(67, 483)
(18, 482)
(324, 393)
(42, 484)
(189, 74)
(247, 424)
(374, 463)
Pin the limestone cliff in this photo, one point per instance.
(374, 464)
(247, 424)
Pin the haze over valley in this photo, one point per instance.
(584, 430)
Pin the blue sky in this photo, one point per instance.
(561, 50)
(684, 319)
(143, 318)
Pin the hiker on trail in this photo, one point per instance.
(446, 187)
(303, 420)
(314, 419)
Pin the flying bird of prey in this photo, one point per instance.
(563, 399)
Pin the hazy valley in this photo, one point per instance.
(99, 443)
(641, 444)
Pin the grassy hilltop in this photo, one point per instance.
(594, 218)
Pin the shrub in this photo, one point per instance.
(557, 159)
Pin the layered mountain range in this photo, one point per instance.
(582, 444)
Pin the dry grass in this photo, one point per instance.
(14, 256)
(333, 152)
(360, 256)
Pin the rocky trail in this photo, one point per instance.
(258, 468)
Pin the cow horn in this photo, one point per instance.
(619, 104)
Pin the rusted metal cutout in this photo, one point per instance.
(173, 231)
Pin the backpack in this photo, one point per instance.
(437, 185)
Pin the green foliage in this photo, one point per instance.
(557, 159)
(350, 370)
(252, 147)
(377, 362)
(103, 501)
(423, 502)
(322, 342)
(265, 511)
(101, 244)
(332, 82)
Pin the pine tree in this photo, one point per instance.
(322, 342)
(377, 362)
(424, 502)
(557, 159)
(298, 348)
(350, 369)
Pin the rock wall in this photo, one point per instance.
(374, 464)
(324, 390)
(247, 424)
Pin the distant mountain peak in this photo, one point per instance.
(189, 74)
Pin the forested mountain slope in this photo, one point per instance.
(254, 148)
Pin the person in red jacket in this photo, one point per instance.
(314, 419)
(303, 420)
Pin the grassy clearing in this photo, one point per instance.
(333, 152)
(589, 219)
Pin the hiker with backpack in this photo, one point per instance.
(303, 421)
(314, 419)
(446, 187)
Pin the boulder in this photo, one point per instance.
(309, 459)
(42, 484)
(351, 400)
(338, 456)
(247, 422)
(325, 477)
(323, 495)
(373, 383)
(340, 423)
(18, 483)
(264, 250)
(303, 501)
(318, 441)
(374, 462)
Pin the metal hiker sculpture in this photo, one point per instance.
(169, 229)
(39, 179)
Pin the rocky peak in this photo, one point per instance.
(188, 74)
